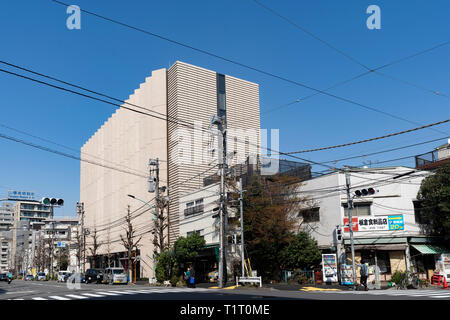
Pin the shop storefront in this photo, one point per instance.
(385, 256)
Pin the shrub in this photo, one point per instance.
(398, 276)
(173, 281)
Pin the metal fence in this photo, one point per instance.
(298, 276)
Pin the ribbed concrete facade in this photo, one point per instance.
(127, 140)
(192, 97)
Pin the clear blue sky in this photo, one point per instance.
(115, 60)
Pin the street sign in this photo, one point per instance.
(376, 223)
(20, 195)
(61, 244)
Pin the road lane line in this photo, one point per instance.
(39, 298)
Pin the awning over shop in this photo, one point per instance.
(429, 249)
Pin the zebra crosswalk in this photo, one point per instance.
(433, 294)
(105, 294)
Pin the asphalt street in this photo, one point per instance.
(49, 290)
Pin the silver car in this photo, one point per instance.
(115, 275)
(41, 276)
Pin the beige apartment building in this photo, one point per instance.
(116, 157)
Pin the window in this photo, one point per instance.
(199, 232)
(310, 215)
(191, 209)
(221, 100)
(359, 209)
(190, 204)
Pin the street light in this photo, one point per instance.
(146, 203)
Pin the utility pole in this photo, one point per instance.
(241, 205)
(222, 207)
(52, 246)
(80, 211)
(350, 224)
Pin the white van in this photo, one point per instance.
(63, 275)
(115, 275)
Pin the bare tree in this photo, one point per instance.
(95, 246)
(129, 243)
(78, 237)
(159, 239)
(108, 246)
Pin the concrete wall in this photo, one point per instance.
(201, 221)
(126, 141)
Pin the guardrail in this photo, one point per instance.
(250, 280)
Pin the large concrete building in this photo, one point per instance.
(6, 216)
(188, 96)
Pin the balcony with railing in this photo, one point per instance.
(433, 159)
(194, 210)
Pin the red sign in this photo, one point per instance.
(355, 224)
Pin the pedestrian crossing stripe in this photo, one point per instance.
(75, 296)
(398, 293)
(93, 295)
(102, 294)
(58, 298)
(107, 293)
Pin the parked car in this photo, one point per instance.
(115, 275)
(29, 277)
(63, 275)
(3, 277)
(41, 276)
(94, 275)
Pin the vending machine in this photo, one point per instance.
(346, 274)
(443, 266)
(329, 268)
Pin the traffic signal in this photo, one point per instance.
(52, 201)
(217, 214)
(339, 234)
(365, 192)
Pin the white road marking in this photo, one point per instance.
(58, 298)
(92, 295)
(75, 296)
(121, 292)
(38, 298)
(107, 293)
(14, 292)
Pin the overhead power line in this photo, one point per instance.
(371, 139)
(36, 146)
(384, 151)
(354, 60)
(241, 64)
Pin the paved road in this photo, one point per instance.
(33, 290)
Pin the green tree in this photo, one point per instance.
(166, 266)
(302, 252)
(434, 195)
(270, 205)
(187, 248)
